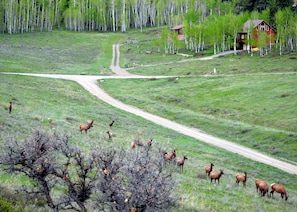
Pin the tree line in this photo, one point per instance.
(221, 31)
(212, 22)
(18, 16)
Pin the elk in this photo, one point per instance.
(262, 186)
(241, 178)
(135, 143)
(208, 169)
(90, 123)
(279, 189)
(216, 175)
(109, 135)
(169, 156)
(111, 123)
(149, 142)
(10, 107)
(87, 126)
(257, 182)
(180, 162)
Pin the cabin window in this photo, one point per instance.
(242, 36)
(261, 26)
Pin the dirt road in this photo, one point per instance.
(90, 84)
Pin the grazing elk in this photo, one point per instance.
(216, 175)
(208, 169)
(262, 186)
(180, 162)
(279, 189)
(87, 126)
(241, 178)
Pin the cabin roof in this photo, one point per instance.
(177, 27)
(253, 23)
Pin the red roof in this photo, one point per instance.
(177, 27)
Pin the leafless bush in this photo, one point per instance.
(52, 165)
(105, 179)
(134, 180)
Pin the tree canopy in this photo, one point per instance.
(18, 16)
(213, 23)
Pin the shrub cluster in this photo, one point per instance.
(105, 178)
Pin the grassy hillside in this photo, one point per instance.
(63, 107)
(258, 111)
(60, 106)
(57, 52)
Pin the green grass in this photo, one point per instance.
(226, 106)
(258, 111)
(67, 104)
(228, 64)
(57, 52)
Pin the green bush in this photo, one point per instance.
(6, 205)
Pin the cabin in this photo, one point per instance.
(179, 31)
(255, 26)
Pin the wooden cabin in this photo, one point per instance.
(179, 31)
(252, 27)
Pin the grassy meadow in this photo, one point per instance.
(252, 105)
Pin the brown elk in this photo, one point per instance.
(241, 178)
(109, 135)
(87, 126)
(111, 123)
(180, 162)
(136, 143)
(208, 169)
(262, 186)
(279, 189)
(149, 142)
(10, 107)
(257, 182)
(170, 156)
(216, 175)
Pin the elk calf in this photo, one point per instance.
(279, 189)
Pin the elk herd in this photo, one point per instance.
(261, 186)
(169, 157)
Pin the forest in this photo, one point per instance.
(18, 16)
(211, 22)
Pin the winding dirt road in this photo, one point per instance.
(91, 85)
